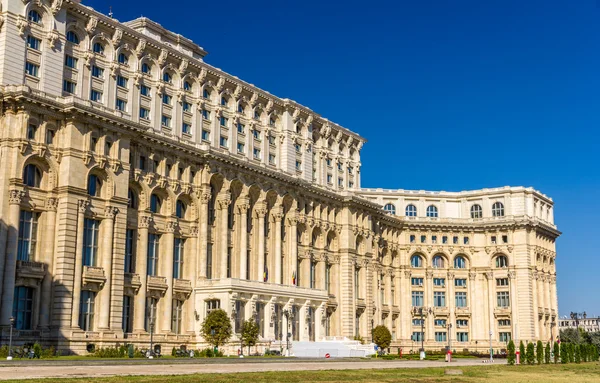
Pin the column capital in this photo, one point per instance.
(205, 194)
(489, 275)
(242, 205)
(472, 276)
(194, 230)
(110, 212)
(429, 274)
(145, 221)
(171, 226)
(261, 209)
(82, 205)
(512, 275)
(224, 200)
(52, 204)
(15, 197)
(451, 276)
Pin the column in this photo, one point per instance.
(192, 275)
(320, 270)
(223, 205)
(82, 207)
(141, 268)
(451, 302)
(536, 327)
(261, 211)
(428, 304)
(293, 240)
(48, 258)
(320, 318)
(167, 272)
(203, 230)
(277, 217)
(473, 308)
(10, 267)
(107, 261)
(514, 305)
(548, 306)
(243, 206)
(490, 285)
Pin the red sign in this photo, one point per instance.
(327, 356)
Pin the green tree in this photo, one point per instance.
(382, 336)
(522, 352)
(250, 332)
(530, 353)
(577, 353)
(216, 328)
(539, 352)
(547, 353)
(564, 353)
(556, 352)
(511, 353)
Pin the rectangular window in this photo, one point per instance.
(440, 282)
(434, 239)
(50, 136)
(145, 90)
(256, 153)
(121, 105)
(86, 310)
(460, 299)
(130, 239)
(127, 311)
(417, 299)
(256, 134)
(205, 114)
(241, 128)
(462, 336)
(240, 147)
(166, 121)
(340, 182)
(462, 323)
(416, 281)
(153, 251)
(209, 261)
(28, 223)
(97, 72)
(186, 128)
(493, 239)
(205, 135)
(90, 241)
(223, 121)
(413, 239)
(504, 322)
(272, 159)
(167, 99)
(503, 299)
(440, 336)
(440, 322)
(69, 86)
(33, 43)
(504, 337)
(455, 240)
(417, 336)
(439, 299)
(70, 62)
(223, 141)
(22, 309)
(272, 140)
(150, 317)
(418, 322)
(466, 240)
(122, 81)
(299, 165)
(32, 69)
(144, 114)
(444, 239)
(186, 106)
(178, 250)
(501, 281)
(505, 239)
(329, 178)
(423, 238)
(356, 282)
(313, 274)
(95, 95)
(460, 282)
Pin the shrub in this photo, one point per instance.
(556, 352)
(539, 352)
(547, 353)
(522, 352)
(359, 338)
(564, 353)
(577, 353)
(511, 352)
(37, 350)
(110, 352)
(530, 353)
(382, 337)
(216, 328)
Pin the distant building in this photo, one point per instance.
(588, 324)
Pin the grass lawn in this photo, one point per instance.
(585, 372)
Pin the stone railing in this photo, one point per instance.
(156, 283)
(29, 269)
(133, 280)
(182, 286)
(93, 275)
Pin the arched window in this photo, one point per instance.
(432, 211)
(187, 86)
(180, 209)
(459, 262)
(476, 212)
(498, 209)
(416, 261)
(123, 59)
(224, 101)
(167, 77)
(34, 16)
(146, 68)
(155, 203)
(32, 176)
(501, 261)
(133, 201)
(240, 108)
(437, 262)
(72, 37)
(94, 185)
(98, 48)
(411, 211)
(206, 93)
(390, 208)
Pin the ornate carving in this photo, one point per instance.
(111, 212)
(52, 204)
(429, 274)
(141, 46)
(15, 197)
(117, 36)
(194, 230)
(56, 6)
(451, 276)
(145, 221)
(162, 59)
(489, 275)
(512, 275)
(22, 25)
(171, 226)
(224, 202)
(82, 205)
(183, 66)
(91, 25)
(472, 276)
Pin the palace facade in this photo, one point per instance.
(144, 188)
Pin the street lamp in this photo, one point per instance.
(419, 310)
(372, 324)
(287, 314)
(12, 324)
(576, 317)
(449, 327)
(491, 350)
(151, 355)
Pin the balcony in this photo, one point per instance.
(261, 288)
(33, 270)
(502, 311)
(462, 311)
(158, 284)
(332, 301)
(360, 302)
(93, 277)
(133, 281)
(441, 311)
(182, 286)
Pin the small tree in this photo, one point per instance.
(577, 353)
(556, 352)
(250, 332)
(511, 353)
(547, 353)
(564, 353)
(539, 352)
(522, 352)
(382, 336)
(216, 328)
(530, 353)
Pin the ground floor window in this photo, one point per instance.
(311, 323)
(86, 310)
(260, 318)
(127, 309)
(417, 336)
(505, 337)
(462, 336)
(295, 323)
(177, 314)
(240, 307)
(23, 308)
(440, 336)
(151, 305)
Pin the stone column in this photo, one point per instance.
(107, 261)
(203, 230)
(536, 322)
(192, 275)
(243, 206)
(293, 239)
(10, 266)
(474, 324)
(167, 272)
(82, 207)
(514, 305)
(49, 236)
(428, 304)
(490, 286)
(261, 211)
(451, 303)
(223, 205)
(321, 270)
(141, 268)
(277, 217)
(548, 306)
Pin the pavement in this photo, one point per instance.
(81, 369)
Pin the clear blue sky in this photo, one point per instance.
(452, 95)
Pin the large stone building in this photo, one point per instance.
(143, 188)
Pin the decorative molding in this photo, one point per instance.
(15, 197)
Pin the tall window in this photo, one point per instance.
(503, 299)
(32, 176)
(127, 311)
(23, 308)
(440, 336)
(28, 222)
(209, 261)
(177, 314)
(90, 241)
(34, 16)
(86, 310)
(476, 212)
(146, 68)
(178, 258)
(151, 304)
(260, 318)
(460, 299)
(417, 299)
(462, 336)
(239, 317)
(459, 262)
(313, 272)
(356, 282)
(155, 204)
(417, 336)
(411, 211)
(498, 209)
(501, 261)
(438, 262)
(432, 211)
(439, 299)
(390, 208)
(416, 261)
(229, 251)
(129, 250)
(295, 323)
(311, 323)
(98, 48)
(327, 277)
(72, 37)
(94, 185)
(153, 251)
(504, 337)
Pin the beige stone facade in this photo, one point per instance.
(143, 185)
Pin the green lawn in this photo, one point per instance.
(586, 372)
